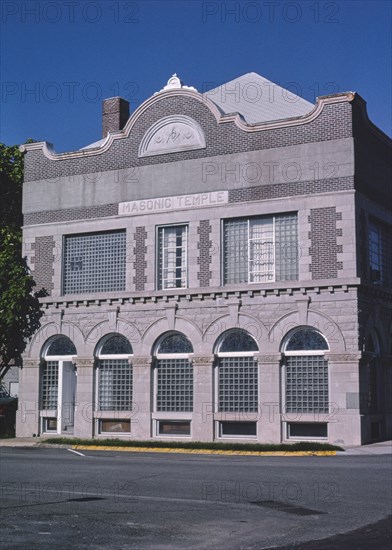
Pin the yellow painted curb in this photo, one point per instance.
(200, 451)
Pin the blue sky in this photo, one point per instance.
(61, 58)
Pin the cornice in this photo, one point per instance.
(236, 118)
(167, 299)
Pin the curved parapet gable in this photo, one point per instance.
(197, 143)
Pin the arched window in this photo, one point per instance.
(174, 374)
(61, 345)
(56, 350)
(372, 344)
(237, 372)
(58, 384)
(114, 384)
(306, 372)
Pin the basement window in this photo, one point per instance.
(174, 427)
(237, 429)
(311, 430)
(114, 426)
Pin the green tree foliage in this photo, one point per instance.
(11, 179)
(20, 311)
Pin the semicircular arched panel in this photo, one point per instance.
(61, 345)
(115, 344)
(237, 340)
(175, 343)
(306, 339)
(172, 134)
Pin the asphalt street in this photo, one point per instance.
(118, 500)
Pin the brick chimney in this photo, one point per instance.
(115, 113)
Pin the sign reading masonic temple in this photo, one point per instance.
(173, 203)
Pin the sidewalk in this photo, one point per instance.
(380, 448)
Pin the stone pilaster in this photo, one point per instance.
(203, 401)
(269, 418)
(27, 417)
(143, 399)
(85, 403)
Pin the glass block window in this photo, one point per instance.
(175, 343)
(172, 257)
(174, 385)
(306, 384)
(94, 262)
(238, 384)
(286, 247)
(306, 339)
(380, 244)
(49, 385)
(114, 385)
(237, 341)
(62, 345)
(260, 250)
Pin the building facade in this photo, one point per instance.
(218, 268)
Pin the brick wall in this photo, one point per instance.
(324, 248)
(115, 113)
(140, 263)
(68, 214)
(287, 189)
(333, 123)
(43, 262)
(204, 258)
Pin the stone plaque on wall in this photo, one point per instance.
(171, 134)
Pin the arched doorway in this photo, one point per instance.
(58, 386)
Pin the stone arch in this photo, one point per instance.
(53, 329)
(123, 327)
(159, 327)
(59, 345)
(249, 341)
(166, 337)
(312, 339)
(324, 324)
(107, 338)
(226, 322)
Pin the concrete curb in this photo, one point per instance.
(200, 451)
